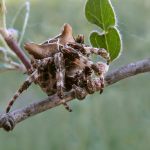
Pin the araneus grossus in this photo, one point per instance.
(62, 63)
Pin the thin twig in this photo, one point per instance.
(25, 22)
(3, 29)
(9, 120)
(7, 48)
(11, 42)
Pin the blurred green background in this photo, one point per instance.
(119, 119)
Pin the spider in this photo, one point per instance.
(62, 63)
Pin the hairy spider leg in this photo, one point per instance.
(32, 77)
(47, 80)
(99, 51)
(86, 51)
(91, 85)
(79, 48)
(24, 86)
(80, 93)
(80, 39)
(70, 52)
(97, 83)
(100, 68)
(60, 77)
(99, 72)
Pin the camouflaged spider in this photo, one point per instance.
(62, 63)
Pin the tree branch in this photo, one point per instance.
(127, 71)
(11, 42)
(9, 120)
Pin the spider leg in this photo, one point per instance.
(100, 68)
(98, 51)
(79, 48)
(91, 85)
(47, 78)
(44, 62)
(33, 64)
(80, 39)
(51, 81)
(32, 78)
(97, 83)
(102, 83)
(24, 86)
(80, 93)
(70, 52)
(76, 57)
(60, 77)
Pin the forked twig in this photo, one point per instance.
(9, 39)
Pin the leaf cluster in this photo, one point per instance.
(101, 13)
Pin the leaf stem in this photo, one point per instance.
(3, 29)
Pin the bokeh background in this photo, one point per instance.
(119, 119)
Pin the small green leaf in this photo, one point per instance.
(110, 41)
(100, 12)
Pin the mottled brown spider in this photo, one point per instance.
(62, 63)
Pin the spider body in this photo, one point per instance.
(62, 63)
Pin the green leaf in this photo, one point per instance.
(110, 41)
(100, 12)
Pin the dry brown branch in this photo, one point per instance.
(9, 120)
